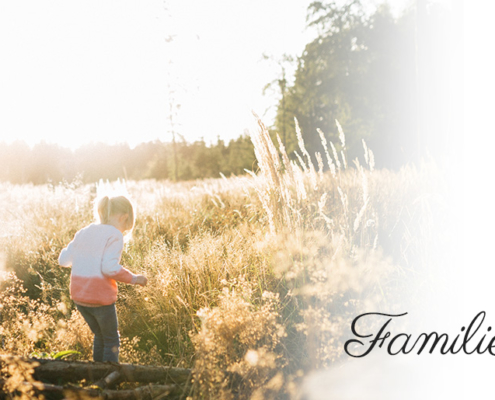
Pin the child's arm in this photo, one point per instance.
(65, 257)
(110, 265)
(140, 280)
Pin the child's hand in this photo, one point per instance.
(141, 280)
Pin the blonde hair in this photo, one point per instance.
(108, 206)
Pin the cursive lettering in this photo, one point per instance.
(468, 341)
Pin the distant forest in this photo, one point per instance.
(47, 162)
(393, 81)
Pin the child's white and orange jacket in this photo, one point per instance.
(94, 255)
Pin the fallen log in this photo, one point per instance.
(143, 392)
(70, 371)
(109, 382)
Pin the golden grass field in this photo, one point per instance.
(259, 275)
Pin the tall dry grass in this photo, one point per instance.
(256, 277)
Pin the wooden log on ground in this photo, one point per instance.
(109, 381)
(148, 392)
(72, 371)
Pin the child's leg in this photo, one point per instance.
(107, 321)
(90, 319)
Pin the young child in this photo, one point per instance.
(94, 255)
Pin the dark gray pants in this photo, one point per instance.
(103, 323)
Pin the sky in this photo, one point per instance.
(75, 71)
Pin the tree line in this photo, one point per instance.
(47, 162)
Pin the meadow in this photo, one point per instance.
(258, 274)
